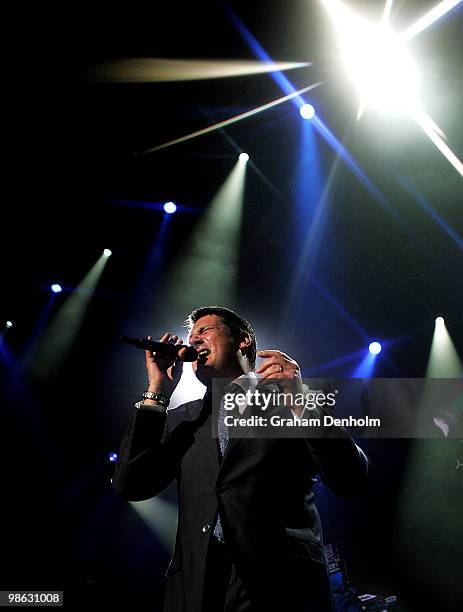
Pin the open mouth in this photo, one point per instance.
(202, 355)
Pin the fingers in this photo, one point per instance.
(288, 376)
(164, 370)
(271, 373)
(271, 361)
(154, 357)
(273, 353)
(274, 358)
(276, 365)
(161, 359)
(175, 371)
(167, 337)
(149, 354)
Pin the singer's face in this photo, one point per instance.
(216, 348)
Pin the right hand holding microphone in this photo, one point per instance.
(164, 372)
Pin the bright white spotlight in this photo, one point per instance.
(170, 208)
(56, 288)
(381, 68)
(107, 253)
(375, 348)
(377, 61)
(243, 157)
(307, 111)
(380, 64)
(444, 361)
(9, 324)
(113, 457)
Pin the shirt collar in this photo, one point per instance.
(248, 381)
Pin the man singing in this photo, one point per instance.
(249, 536)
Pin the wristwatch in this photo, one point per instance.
(160, 398)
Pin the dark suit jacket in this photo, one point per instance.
(262, 487)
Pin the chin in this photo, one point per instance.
(204, 373)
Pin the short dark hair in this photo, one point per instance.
(233, 321)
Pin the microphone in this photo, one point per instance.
(167, 349)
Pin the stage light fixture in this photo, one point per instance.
(56, 288)
(380, 66)
(375, 348)
(170, 208)
(113, 457)
(307, 111)
(244, 157)
(107, 253)
(444, 361)
(9, 324)
(382, 69)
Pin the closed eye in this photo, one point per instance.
(205, 329)
(202, 330)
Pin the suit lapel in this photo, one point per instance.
(205, 430)
(198, 413)
(233, 443)
(205, 433)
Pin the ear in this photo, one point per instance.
(245, 341)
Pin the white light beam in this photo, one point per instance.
(386, 12)
(222, 124)
(428, 126)
(434, 14)
(158, 70)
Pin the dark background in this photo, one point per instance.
(72, 151)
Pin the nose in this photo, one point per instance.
(195, 339)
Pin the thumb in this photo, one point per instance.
(177, 369)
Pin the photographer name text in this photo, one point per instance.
(279, 421)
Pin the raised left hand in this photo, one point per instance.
(280, 368)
